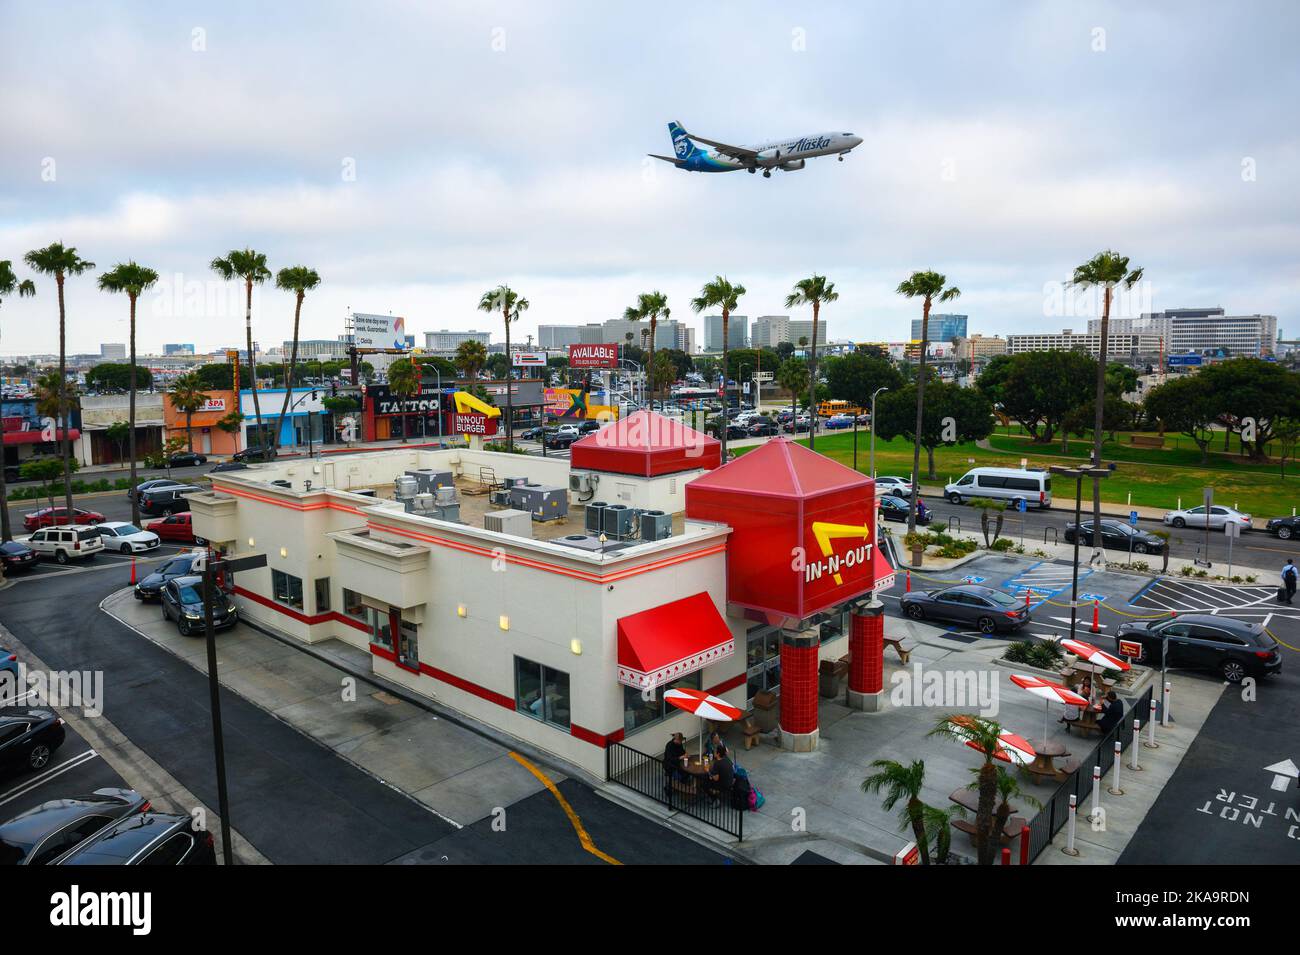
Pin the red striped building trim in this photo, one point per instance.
(481, 692)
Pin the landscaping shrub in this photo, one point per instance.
(1018, 651)
(1002, 544)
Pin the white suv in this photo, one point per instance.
(66, 543)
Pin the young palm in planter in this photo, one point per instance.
(986, 505)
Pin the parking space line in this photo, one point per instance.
(36, 782)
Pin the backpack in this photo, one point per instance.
(741, 793)
(756, 800)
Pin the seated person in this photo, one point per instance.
(722, 776)
(674, 753)
(1112, 713)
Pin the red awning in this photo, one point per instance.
(661, 645)
(883, 571)
(35, 437)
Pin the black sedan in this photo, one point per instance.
(42, 835)
(146, 838)
(1232, 648)
(991, 611)
(256, 454)
(28, 737)
(1116, 535)
(229, 466)
(186, 459)
(559, 440)
(182, 601)
(532, 434)
(763, 429)
(896, 509)
(143, 486)
(150, 587)
(16, 556)
(1283, 528)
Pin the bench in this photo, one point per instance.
(1146, 441)
(897, 643)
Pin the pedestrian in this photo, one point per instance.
(1289, 574)
(674, 753)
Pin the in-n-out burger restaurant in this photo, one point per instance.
(733, 579)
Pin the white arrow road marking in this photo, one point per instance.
(1282, 771)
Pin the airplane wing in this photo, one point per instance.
(739, 153)
(671, 159)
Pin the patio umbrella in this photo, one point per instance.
(1050, 692)
(1093, 655)
(704, 706)
(1011, 749)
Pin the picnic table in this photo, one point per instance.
(1087, 720)
(1042, 766)
(969, 799)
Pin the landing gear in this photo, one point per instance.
(841, 157)
(767, 174)
(752, 170)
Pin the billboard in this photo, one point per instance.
(473, 423)
(1184, 361)
(379, 331)
(593, 356)
(529, 359)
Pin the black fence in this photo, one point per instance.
(1056, 809)
(645, 775)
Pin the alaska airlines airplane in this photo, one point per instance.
(786, 154)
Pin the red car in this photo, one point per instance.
(49, 516)
(176, 528)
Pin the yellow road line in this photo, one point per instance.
(574, 820)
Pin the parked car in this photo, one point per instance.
(1283, 527)
(166, 500)
(12, 474)
(1232, 648)
(257, 454)
(28, 737)
(559, 440)
(890, 484)
(143, 486)
(126, 538)
(229, 466)
(801, 423)
(991, 611)
(178, 529)
(1034, 487)
(532, 434)
(66, 543)
(762, 429)
(1218, 516)
(16, 556)
(47, 832)
(1118, 536)
(150, 587)
(588, 426)
(896, 509)
(838, 422)
(182, 601)
(146, 838)
(186, 459)
(50, 516)
(737, 431)
(9, 664)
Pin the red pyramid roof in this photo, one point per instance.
(782, 468)
(646, 444)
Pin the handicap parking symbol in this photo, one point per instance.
(1091, 597)
(972, 579)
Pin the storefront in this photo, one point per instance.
(26, 435)
(389, 415)
(306, 421)
(200, 429)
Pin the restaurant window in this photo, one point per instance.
(408, 645)
(353, 607)
(322, 594)
(381, 633)
(541, 692)
(834, 625)
(763, 660)
(641, 709)
(286, 589)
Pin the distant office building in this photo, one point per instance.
(801, 330)
(1117, 345)
(446, 342)
(112, 351)
(769, 331)
(737, 332)
(979, 346)
(943, 328)
(558, 336)
(1203, 330)
(310, 348)
(178, 349)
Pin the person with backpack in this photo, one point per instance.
(722, 776)
(1289, 574)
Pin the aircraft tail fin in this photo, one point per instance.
(683, 146)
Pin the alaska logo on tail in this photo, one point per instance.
(682, 144)
(787, 155)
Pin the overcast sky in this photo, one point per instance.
(503, 142)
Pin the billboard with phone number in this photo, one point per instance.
(593, 356)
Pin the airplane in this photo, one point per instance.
(788, 155)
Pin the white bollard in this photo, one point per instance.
(1165, 716)
(1151, 727)
(1069, 849)
(1116, 788)
(1096, 794)
(1133, 749)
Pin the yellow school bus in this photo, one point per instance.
(828, 409)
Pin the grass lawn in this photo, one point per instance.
(1257, 490)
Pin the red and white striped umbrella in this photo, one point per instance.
(1050, 692)
(1011, 749)
(1093, 655)
(703, 705)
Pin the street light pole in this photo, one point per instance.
(873, 433)
(1079, 474)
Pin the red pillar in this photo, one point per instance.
(867, 650)
(799, 689)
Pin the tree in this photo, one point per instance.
(1105, 270)
(299, 280)
(998, 508)
(1008, 788)
(231, 421)
(250, 266)
(1040, 389)
(9, 285)
(953, 414)
(855, 377)
(115, 377)
(471, 356)
(983, 734)
(929, 286)
(902, 784)
(1186, 404)
(724, 295)
(61, 261)
(404, 381)
(509, 303)
(119, 432)
(44, 470)
(793, 376)
(993, 377)
(1121, 380)
(784, 350)
(662, 372)
(187, 397)
(650, 306)
(220, 376)
(133, 280)
(1117, 415)
(814, 291)
(1256, 394)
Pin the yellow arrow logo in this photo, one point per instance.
(465, 402)
(825, 533)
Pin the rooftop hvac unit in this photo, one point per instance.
(512, 522)
(405, 487)
(514, 482)
(420, 504)
(543, 501)
(589, 544)
(446, 512)
(595, 517)
(656, 525)
(618, 521)
(580, 482)
(444, 495)
(499, 498)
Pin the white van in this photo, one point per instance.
(1034, 487)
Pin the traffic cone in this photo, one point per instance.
(1029, 594)
(133, 569)
(1096, 623)
(907, 586)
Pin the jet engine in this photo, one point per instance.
(792, 164)
(769, 157)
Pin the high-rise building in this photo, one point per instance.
(737, 332)
(1202, 330)
(943, 327)
(979, 346)
(178, 349)
(558, 336)
(801, 331)
(446, 342)
(112, 351)
(1117, 344)
(770, 330)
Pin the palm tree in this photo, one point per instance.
(509, 303)
(61, 261)
(1008, 788)
(471, 356)
(187, 397)
(1105, 269)
(813, 291)
(404, 381)
(251, 267)
(9, 285)
(983, 733)
(938, 825)
(902, 783)
(132, 279)
(724, 295)
(793, 375)
(299, 280)
(652, 306)
(930, 286)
